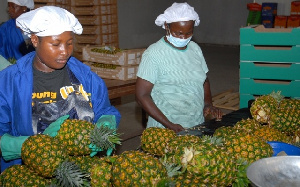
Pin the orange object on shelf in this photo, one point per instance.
(280, 22)
(295, 8)
(254, 7)
(293, 21)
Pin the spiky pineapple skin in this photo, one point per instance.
(101, 174)
(74, 134)
(136, 168)
(154, 140)
(42, 154)
(262, 108)
(21, 175)
(286, 120)
(268, 133)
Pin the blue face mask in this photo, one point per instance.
(178, 42)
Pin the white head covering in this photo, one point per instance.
(48, 21)
(28, 3)
(178, 12)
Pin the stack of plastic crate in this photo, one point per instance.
(269, 61)
(99, 19)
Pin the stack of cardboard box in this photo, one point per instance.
(120, 65)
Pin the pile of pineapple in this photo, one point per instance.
(164, 159)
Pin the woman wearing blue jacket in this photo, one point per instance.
(13, 44)
(48, 81)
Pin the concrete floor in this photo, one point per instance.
(223, 64)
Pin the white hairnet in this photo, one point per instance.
(28, 3)
(178, 12)
(48, 21)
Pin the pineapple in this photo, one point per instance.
(268, 133)
(42, 154)
(154, 140)
(76, 135)
(289, 103)
(245, 126)
(21, 175)
(101, 174)
(136, 168)
(286, 120)
(264, 105)
(247, 146)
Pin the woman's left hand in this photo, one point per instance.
(213, 111)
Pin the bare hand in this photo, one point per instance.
(213, 111)
(176, 128)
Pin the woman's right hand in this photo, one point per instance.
(176, 128)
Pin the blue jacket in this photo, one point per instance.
(16, 83)
(11, 40)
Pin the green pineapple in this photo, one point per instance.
(289, 103)
(76, 135)
(21, 175)
(136, 168)
(286, 120)
(101, 174)
(42, 154)
(263, 106)
(154, 140)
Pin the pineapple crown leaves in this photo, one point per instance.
(70, 174)
(215, 140)
(104, 137)
(241, 179)
(276, 95)
(172, 168)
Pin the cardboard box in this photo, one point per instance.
(268, 21)
(98, 19)
(100, 29)
(92, 2)
(295, 8)
(111, 71)
(293, 21)
(124, 58)
(280, 22)
(94, 10)
(269, 9)
(97, 39)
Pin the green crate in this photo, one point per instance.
(244, 98)
(269, 54)
(266, 70)
(270, 36)
(266, 86)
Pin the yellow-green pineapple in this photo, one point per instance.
(155, 139)
(43, 154)
(76, 135)
(268, 133)
(263, 106)
(101, 174)
(136, 168)
(21, 175)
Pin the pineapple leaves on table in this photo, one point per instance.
(55, 126)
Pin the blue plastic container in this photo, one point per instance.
(289, 149)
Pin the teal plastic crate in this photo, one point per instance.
(269, 54)
(244, 99)
(267, 70)
(262, 87)
(270, 36)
